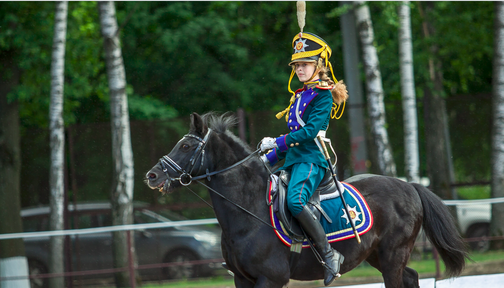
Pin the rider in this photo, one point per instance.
(307, 116)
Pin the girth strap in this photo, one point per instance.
(319, 208)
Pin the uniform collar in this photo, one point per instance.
(311, 84)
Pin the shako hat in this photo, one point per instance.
(308, 47)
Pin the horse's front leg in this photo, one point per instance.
(265, 282)
(242, 282)
(231, 262)
(262, 282)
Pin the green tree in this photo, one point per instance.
(12, 253)
(465, 54)
(181, 57)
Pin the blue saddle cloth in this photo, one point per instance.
(340, 228)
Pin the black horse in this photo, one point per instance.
(250, 247)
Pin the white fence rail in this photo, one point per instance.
(183, 223)
(470, 202)
(108, 229)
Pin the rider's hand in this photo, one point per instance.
(268, 143)
(264, 159)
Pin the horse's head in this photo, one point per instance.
(187, 159)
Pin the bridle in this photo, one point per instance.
(185, 178)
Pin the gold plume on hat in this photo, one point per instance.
(301, 14)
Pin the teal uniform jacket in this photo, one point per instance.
(313, 105)
(302, 155)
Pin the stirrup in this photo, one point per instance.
(331, 270)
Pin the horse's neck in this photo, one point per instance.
(244, 187)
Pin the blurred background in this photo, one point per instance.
(184, 57)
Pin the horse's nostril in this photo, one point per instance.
(152, 176)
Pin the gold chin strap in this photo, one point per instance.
(292, 99)
(290, 80)
(332, 73)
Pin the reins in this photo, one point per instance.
(235, 204)
(186, 179)
(315, 252)
(209, 174)
(231, 201)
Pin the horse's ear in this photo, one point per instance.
(197, 124)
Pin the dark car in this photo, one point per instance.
(153, 246)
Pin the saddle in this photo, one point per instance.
(278, 184)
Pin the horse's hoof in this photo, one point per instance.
(338, 275)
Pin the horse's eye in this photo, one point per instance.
(185, 147)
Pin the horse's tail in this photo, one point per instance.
(442, 232)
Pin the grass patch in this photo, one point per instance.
(427, 266)
(487, 256)
(423, 267)
(474, 192)
(208, 283)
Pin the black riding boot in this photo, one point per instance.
(332, 258)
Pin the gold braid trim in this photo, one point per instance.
(307, 54)
(334, 110)
(286, 111)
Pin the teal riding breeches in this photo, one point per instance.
(305, 179)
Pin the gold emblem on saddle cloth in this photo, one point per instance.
(354, 214)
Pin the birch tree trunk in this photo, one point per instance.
(411, 158)
(13, 262)
(497, 223)
(57, 144)
(376, 107)
(436, 123)
(122, 189)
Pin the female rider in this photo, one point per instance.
(307, 116)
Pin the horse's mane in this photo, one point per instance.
(221, 125)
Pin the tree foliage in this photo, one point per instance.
(182, 57)
(466, 55)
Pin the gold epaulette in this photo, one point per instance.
(324, 86)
